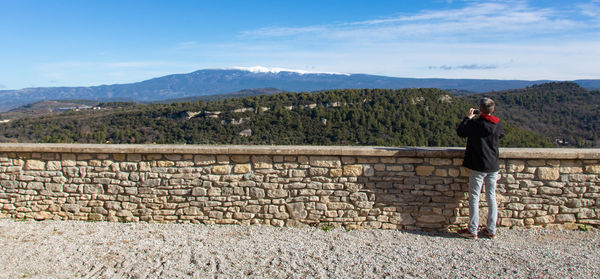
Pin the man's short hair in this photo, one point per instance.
(486, 105)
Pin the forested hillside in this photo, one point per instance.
(568, 114)
(408, 117)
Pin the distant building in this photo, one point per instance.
(75, 108)
(246, 133)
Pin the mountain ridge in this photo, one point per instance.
(221, 81)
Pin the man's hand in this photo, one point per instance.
(471, 113)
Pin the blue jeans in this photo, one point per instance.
(476, 180)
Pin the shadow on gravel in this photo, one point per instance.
(433, 234)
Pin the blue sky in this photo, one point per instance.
(83, 43)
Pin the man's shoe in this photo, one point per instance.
(488, 234)
(466, 234)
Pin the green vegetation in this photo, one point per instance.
(407, 117)
(327, 227)
(567, 114)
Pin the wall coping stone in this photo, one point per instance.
(439, 152)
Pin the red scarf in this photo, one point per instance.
(490, 118)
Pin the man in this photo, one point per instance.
(482, 158)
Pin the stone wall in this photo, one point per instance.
(354, 187)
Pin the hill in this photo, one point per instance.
(566, 113)
(215, 81)
(217, 97)
(407, 117)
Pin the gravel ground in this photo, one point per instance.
(69, 249)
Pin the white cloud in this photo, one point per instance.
(464, 67)
(480, 20)
(484, 39)
(591, 9)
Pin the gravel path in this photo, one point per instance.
(68, 249)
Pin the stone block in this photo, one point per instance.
(335, 172)
(35, 165)
(214, 191)
(441, 172)
(68, 163)
(425, 170)
(242, 168)
(547, 173)
(368, 170)
(151, 182)
(325, 161)
(394, 168)
(296, 210)
(119, 157)
(454, 172)
(240, 158)
(593, 169)
(568, 170)
(94, 217)
(253, 209)
(579, 203)
(550, 191)
(124, 213)
(54, 187)
(511, 222)
(192, 210)
(198, 191)
(515, 166)
(586, 213)
(204, 160)
(223, 159)
(221, 170)
(402, 219)
(165, 164)
(318, 171)
(262, 162)
(565, 218)
(179, 192)
(71, 207)
(43, 215)
(348, 160)
(8, 184)
(431, 219)
(298, 173)
(53, 165)
(257, 193)
(101, 180)
(353, 170)
(277, 193)
(93, 189)
(144, 167)
(367, 160)
(243, 215)
(35, 185)
(440, 161)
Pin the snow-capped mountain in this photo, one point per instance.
(261, 69)
(220, 81)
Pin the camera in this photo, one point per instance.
(476, 111)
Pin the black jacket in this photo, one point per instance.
(483, 134)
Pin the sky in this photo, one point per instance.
(84, 43)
